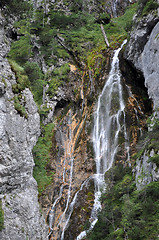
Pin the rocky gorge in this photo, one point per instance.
(54, 63)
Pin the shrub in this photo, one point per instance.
(21, 49)
(127, 213)
(150, 5)
(33, 71)
(59, 75)
(155, 159)
(17, 7)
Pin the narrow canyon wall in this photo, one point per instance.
(18, 135)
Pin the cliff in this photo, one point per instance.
(18, 134)
(54, 63)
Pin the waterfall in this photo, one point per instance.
(114, 8)
(59, 217)
(69, 161)
(109, 121)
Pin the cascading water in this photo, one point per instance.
(109, 121)
(59, 216)
(68, 160)
(114, 7)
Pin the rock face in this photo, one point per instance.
(18, 135)
(142, 52)
(149, 57)
(146, 171)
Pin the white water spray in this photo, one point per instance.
(109, 120)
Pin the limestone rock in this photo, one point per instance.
(18, 135)
(145, 171)
(142, 53)
(150, 68)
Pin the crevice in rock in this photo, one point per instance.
(136, 80)
(12, 34)
(62, 103)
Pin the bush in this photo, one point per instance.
(155, 159)
(127, 213)
(150, 5)
(59, 75)
(17, 7)
(33, 71)
(21, 49)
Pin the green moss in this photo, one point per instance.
(42, 157)
(19, 107)
(21, 77)
(90, 196)
(1, 216)
(4, 81)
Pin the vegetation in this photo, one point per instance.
(1, 216)
(15, 6)
(21, 77)
(59, 75)
(42, 155)
(36, 78)
(19, 107)
(148, 6)
(153, 136)
(60, 35)
(155, 159)
(51, 36)
(127, 213)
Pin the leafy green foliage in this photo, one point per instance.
(63, 36)
(155, 159)
(33, 71)
(127, 213)
(41, 153)
(1, 217)
(59, 75)
(121, 25)
(21, 77)
(36, 78)
(21, 49)
(17, 7)
(149, 6)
